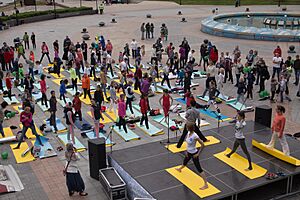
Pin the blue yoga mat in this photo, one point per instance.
(180, 100)
(46, 150)
(135, 112)
(88, 126)
(60, 126)
(214, 114)
(238, 105)
(205, 98)
(130, 135)
(78, 145)
(160, 119)
(91, 135)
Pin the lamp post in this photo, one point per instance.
(54, 7)
(97, 6)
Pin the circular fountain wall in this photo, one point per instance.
(281, 27)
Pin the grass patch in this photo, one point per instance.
(46, 12)
(232, 2)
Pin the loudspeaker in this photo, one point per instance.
(263, 115)
(97, 156)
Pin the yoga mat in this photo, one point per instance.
(200, 75)
(91, 135)
(78, 145)
(37, 85)
(205, 98)
(136, 112)
(106, 119)
(46, 150)
(72, 91)
(86, 101)
(112, 115)
(130, 135)
(152, 131)
(37, 96)
(213, 114)
(181, 100)
(18, 152)
(160, 119)
(29, 132)
(112, 77)
(202, 122)
(60, 126)
(18, 108)
(240, 164)
(62, 103)
(276, 153)
(56, 76)
(13, 100)
(174, 149)
(7, 132)
(238, 105)
(226, 98)
(57, 81)
(80, 126)
(21, 89)
(193, 181)
(137, 91)
(43, 107)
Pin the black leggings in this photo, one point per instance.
(44, 99)
(129, 102)
(122, 121)
(145, 117)
(185, 132)
(62, 96)
(166, 78)
(74, 84)
(195, 160)
(241, 142)
(86, 92)
(79, 114)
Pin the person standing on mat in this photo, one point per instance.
(71, 171)
(53, 109)
(86, 84)
(144, 109)
(277, 131)
(193, 153)
(166, 102)
(129, 95)
(240, 138)
(113, 97)
(70, 119)
(43, 90)
(77, 106)
(8, 85)
(122, 112)
(62, 91)
(27, 122)
(98, 96)
(191, 115)
(96, 116)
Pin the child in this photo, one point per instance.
(241, 90)
(143, 51)
(77, 106)
(62, 91)
(144, 109)
(188, 99)
(122, 112)
(180, 77)
(96, 116)
(274, 84)
(240, 138)
(113, 97)
(220, 78)
(43, 90)
(277, 130)
(166, 101)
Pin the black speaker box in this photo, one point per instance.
(97, 156)
(263, 115)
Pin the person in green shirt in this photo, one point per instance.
(26, 40)
(73, 77)
(101, 8)
(21, 51)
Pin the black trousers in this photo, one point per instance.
(166, 78)
(53, 120)
(228, 75)
(62, 96)
(79, 114)
(74, 84)
(109, 66)
(145, 117)
(93, 72)
(86, 92)
(47, 54)
(26, 44)
(129, 103)
(44, 99)
(190, 156)
(241, 142)
(122, 122)
(185, 132)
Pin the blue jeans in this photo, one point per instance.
(297, 73)
(31, 73)
(276, 71)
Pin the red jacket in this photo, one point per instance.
(213, 55)
(43, 86)
(139, 73)
(77, 104)
(144, 106)
(26, 118)
(8, 83)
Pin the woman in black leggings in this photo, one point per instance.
(193, 153)
(240, 138)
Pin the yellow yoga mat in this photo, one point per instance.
(241, 164)
(276, 153)
(29, 132)
(7, 132)
(86, 100)
(112, 115)
(137, 91)
(18, 152)
(106, 119)
(193, 181)
(57, 81)
(174, 149)
(56, 76)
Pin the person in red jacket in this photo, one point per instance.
(213, 54)
(86, 85)
(277, 50)
(138, 75)
(45, 51)
(8, 84)
(144, 110)
(43, 90)
(27, 122)
(166, 101)
(277, 130)
(77, 106)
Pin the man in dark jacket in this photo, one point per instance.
(53, 110)
(297, 69)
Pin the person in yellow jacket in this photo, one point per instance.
(101, 8)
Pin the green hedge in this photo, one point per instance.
(39, 13)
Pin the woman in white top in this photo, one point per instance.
(74, 180)
(193, 152)
(240, 138)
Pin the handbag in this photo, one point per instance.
(65, 170)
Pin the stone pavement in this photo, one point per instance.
(43, 178)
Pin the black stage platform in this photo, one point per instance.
(147, 163)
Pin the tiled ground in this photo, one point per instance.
(43, 178)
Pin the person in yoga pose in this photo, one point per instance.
(240, 138)
(193, 153)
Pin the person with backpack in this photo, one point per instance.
(96, 116)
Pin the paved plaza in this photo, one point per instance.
(43, 179)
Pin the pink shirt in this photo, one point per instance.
(45, 48)
(121, 108)
(43, 86)
(26, 118)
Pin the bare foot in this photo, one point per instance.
(249, 169)
(178, 169)
(204, 187)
